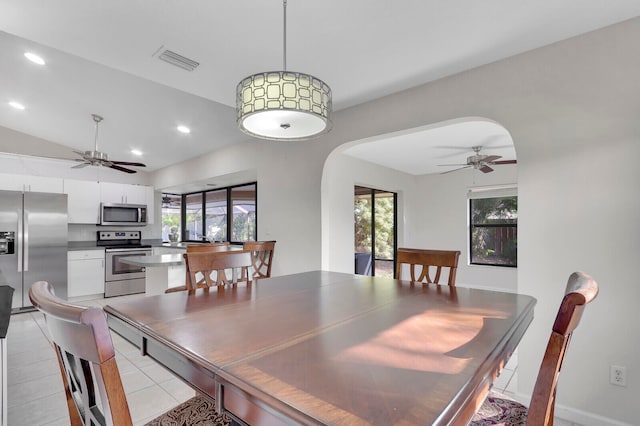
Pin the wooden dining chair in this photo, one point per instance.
(208, 264)
(90, 375)
(261, 257)
(422, 263)
(499, 409)
(199, 248)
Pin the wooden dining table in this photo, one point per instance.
(332, 348)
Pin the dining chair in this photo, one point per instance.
(499, 409)
(422, 262)
(209, 263)
(92, 384)
(261, 257)
(199, 248)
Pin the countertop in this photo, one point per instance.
(83, 245)
(91, 245)
(158, 260)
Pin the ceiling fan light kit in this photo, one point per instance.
(283, 105)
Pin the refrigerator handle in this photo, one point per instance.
(26, 241)
(20, 242)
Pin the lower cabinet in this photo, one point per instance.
(85, 273)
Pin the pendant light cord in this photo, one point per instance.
(284, 36)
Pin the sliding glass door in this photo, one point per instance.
(375, 231)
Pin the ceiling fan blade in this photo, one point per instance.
(459, 168)
(491, 158)
(450, 165)
(505, 162)
(80, 166)
(486, 169)
(122, 169)
(127, 163)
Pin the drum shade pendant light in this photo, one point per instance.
(283, 105)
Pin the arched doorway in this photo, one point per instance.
(431, 207)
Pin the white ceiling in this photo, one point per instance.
(100, 59)
(436, 149)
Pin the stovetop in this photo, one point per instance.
(120, 239)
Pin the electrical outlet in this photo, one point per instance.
(618, 375)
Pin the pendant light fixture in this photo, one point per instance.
(283, 105)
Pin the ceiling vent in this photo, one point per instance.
(178, 60)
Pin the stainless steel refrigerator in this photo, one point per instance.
(33, 243)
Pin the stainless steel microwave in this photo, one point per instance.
(123, 214)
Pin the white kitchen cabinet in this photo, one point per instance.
(85, 273)
(43, 184)
(122, 193)
(150, 198)
(9, 182)
(83, 200)
(28, 183)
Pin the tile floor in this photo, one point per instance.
(36, 396)
(34, 385)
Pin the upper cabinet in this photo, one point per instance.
(83, 196)
(28, 183)
(83, 200)
(121, 193)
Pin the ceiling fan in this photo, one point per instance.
(479, 162)
(97, 158)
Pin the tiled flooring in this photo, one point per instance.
(35, 392)
(36, 396)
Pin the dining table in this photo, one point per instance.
(331, 348)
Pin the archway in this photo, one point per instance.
(432, 208)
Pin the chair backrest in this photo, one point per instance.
(83, 345)
(261, 257)
(203, 248)
(581, 289)
(197, 248)
(425, 261)
(216, 262)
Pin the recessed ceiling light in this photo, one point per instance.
(184, 129)
(34, 58)
(16, 105)
(136, 152)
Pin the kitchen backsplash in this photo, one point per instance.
(88, 232)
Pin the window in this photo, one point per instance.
(375, 231)
(216, 219)
(493, 230)
(226, 214)
(193, 217)
(243, 200)
(171, 214)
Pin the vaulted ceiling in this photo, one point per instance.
(102, 57)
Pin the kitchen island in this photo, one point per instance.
(157, 270)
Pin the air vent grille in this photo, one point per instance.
(178, 60)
